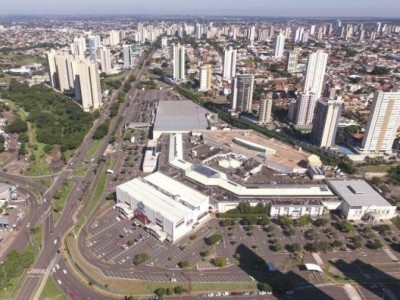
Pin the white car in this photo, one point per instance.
(252, 278)
(210, 294)
(226, 294)
(59, 282)
(262, 292)
(65, 272)
(28, 225)
(57, 267)
(55, 241)
(218, 294)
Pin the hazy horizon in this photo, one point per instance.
(256, 8)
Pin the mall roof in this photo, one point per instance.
(165, 195)
(357, 193)
(180, 116)
(208, 176)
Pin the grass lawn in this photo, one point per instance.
(375, 169)
(94, 148)
(23, 59)
(80, 170)
(68, 154)
(46, 182)
(7, 78)
(30, 253)
(51, 291)
(62, 194)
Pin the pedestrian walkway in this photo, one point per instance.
(352, 292)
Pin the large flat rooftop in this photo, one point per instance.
(180, 116)
(165, 195)
(272, 149)
(357, 193)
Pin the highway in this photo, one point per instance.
(53, 232)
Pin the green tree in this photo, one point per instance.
(321, 222)
(160, 292)
(345, 226)
(376, 244)
(219, 261)
(303, 221)
(285, 221)
(214, 239)
(183, 264)
(264, 287)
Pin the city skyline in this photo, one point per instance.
(285, 8)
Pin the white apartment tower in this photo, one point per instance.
(51, 61)
(94, 44)
(293, 59)
(105, 59)
(205, 78)
(198, 31)
(242, 95)
(265, 111)
(114, 37)
(178, 62)
(229, 71)
(279, 45)
(64, 72)
(298, 37)
(78, 47)
(325, 123)
(251, 34)
(383, 122)
(127, 56)
(316, 67)
(164, 42)
(305, 108)
(87, 84)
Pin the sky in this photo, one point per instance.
(269, 8)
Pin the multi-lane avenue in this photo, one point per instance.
(53, 232)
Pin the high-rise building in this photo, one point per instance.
(127, 56)
(293, 59)
(279, 45)
(164, 42)
(229, 64)
(178, 62)
(75, 75)
(383, 122)
(305, 108)
(114, 37)
(242, 95)
(265, 111)
(87, 84)
(198, 31)
(51, 62)
(292, 110)
(298, 37)
(78, 47)
(64, 72)
(205, 78)
(251, 34)
(316, 67)
(94, 43)
(325, 123)
(105, 59)
(234, 32)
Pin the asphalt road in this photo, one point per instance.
(53, 233)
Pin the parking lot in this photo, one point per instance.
(115, 242)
